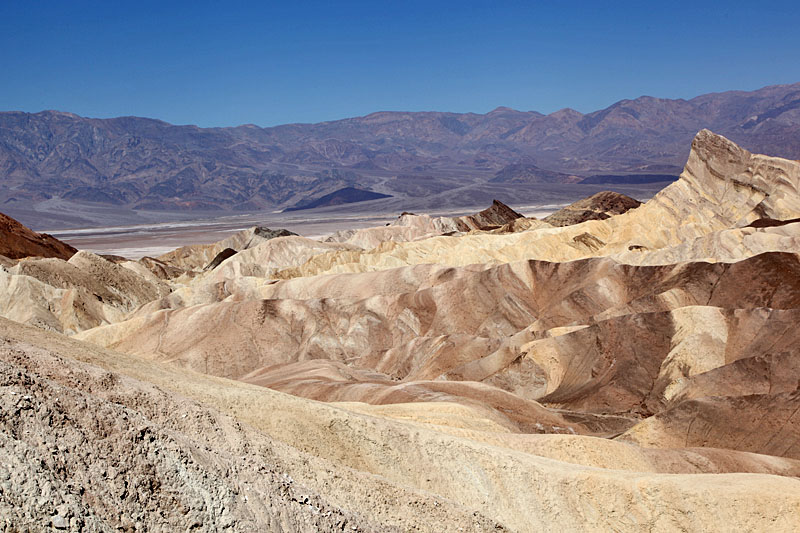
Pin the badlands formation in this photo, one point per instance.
(614, 367)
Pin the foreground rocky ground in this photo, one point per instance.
(614, 367)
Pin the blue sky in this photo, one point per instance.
(230, 63)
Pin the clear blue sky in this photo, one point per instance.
(230, 63)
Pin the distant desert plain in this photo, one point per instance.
(139, 240)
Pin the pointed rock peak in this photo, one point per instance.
(567, 112)
(728, 186)
(497, 204)
(267, 233)
(708, 144)
(498, 213)
(715, 160)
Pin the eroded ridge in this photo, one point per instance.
(616, 367)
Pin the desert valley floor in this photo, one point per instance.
(614, 366)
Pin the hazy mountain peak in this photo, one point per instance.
(566, 112)
(501, 109)
(57, 113)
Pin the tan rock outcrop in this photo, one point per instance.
(75, 295)
(197, 256)
(599, 206)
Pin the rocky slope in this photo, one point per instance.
(197, 256)
(638, 370)
(91, 444)
(301, 465)
(17, 241)
(599, 206)
(71, 296)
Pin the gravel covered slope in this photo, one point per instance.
(85, 449)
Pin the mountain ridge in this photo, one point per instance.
(145, 163)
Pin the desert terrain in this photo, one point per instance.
(615, 364)
(155, 238)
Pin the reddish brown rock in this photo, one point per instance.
(18, 241)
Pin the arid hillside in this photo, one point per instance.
(617, 366)
(17, 241)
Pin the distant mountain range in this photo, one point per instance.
(143, 163)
